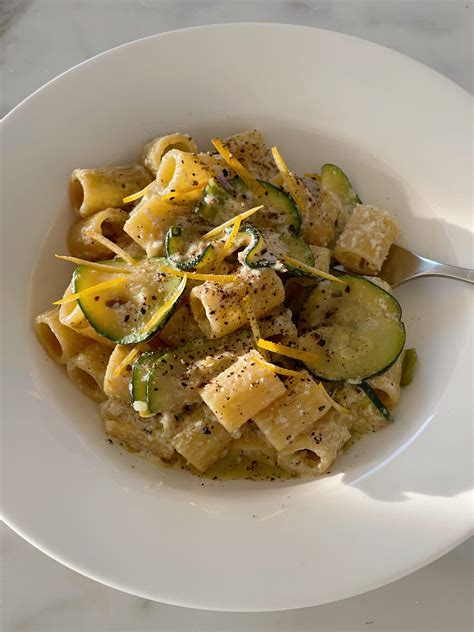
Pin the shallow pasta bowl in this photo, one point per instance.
(398, 499)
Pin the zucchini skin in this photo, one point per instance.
(337, 367)
(193, 263)
(293, 245)
(134, 337)
(275, 198)
(375, 399)
(336, 181)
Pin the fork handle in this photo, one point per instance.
(433, 268)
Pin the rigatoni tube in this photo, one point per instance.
(94, 190)
(86, 370)
(202, 439)
(60, 341)
(108, 223)
(156, 148)
(366, 239)
(242, 391)
(314, 451)
(218, 308)
(303, 403)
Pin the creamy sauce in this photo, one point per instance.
(249, 466)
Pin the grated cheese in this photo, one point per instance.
(120, 252)
(94, 265)
(157, 316)
(141, 408)
(290, 183)
(197, 276)
(289, 352)
(305, 268)
(245, 175)
(104, 285)
(240, 218)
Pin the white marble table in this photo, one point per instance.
(40, 39)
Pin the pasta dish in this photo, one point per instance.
(205, 316)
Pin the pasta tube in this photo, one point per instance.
(108, 223)
(94, 190)
(366, 239)
(241, 391)
(156, 148)
(218, 308)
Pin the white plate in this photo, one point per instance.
(400, 498)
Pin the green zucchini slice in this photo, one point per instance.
(376, 401)
(267, 249)
(355, 330)
(185, 248)
(140, 371)
(177, 376)
(121, 313)
(334, 180)
(338, 198)
(220, 204)
(408, 367)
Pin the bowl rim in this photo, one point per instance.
(9, 119)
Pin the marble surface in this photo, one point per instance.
(40, 39)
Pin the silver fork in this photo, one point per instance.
(402, 265)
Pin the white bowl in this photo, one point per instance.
(398, 499)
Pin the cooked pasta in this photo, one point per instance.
(181, 172)
(387, 384)
(86, 370)
(202, 440)
(109, 223)
(302, 404)
(71, 316)
(60, 342)
(136, 434)
(241, 391)
(218, 308)
(204, 317)
(318, 215)
(366, 239)
(314, 451)
(149, 222)
(118, 373)
(94, 190)
(156, 148)
(249, 149)
(181, 328)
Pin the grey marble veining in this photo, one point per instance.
(52, 598)
(42, 38)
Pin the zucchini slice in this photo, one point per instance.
(334, 180)
(376, 401)
(176, 377)
(338, 198)
(122, 313)
(186, 250)
(356, 331)
(219, 205)
(267, 249)
(140, 371)
(408, 367)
